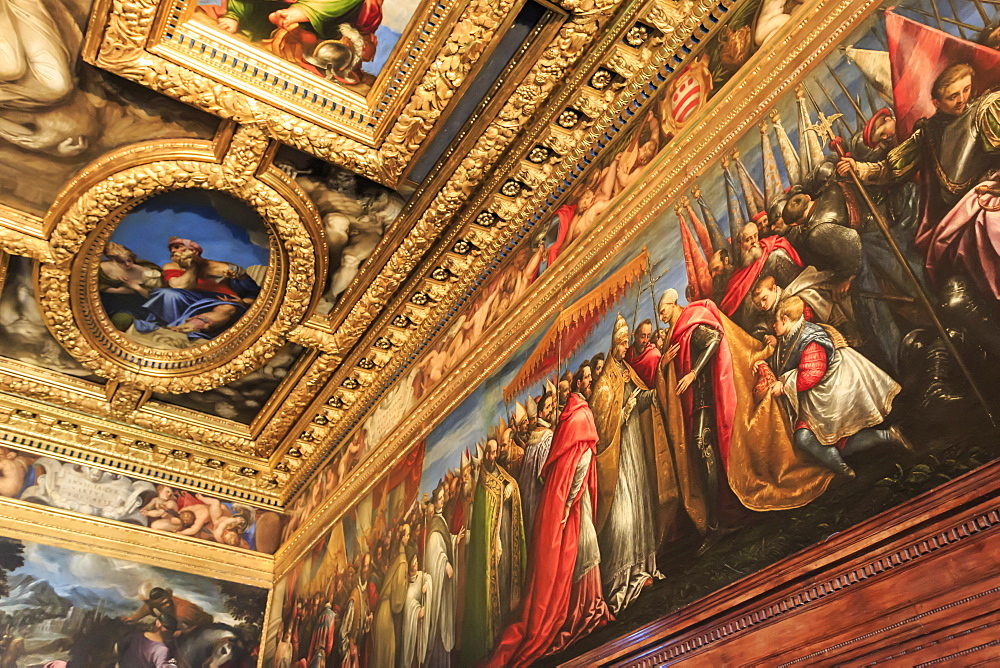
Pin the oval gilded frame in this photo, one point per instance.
(70, 300)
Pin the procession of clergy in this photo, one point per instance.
(752, 397)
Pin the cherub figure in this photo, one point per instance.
(162, 509)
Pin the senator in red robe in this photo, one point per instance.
(563, 600)
(642, 355)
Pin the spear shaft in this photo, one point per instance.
(923, 298)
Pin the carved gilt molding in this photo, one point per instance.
(133, 45)
(73, 531)
(746, 97)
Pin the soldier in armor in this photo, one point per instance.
(819, 229)
(703, 344)
(951, 151)
(947, 154)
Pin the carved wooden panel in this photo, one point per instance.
(917, 585)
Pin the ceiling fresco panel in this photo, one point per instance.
(277, 74)
(89, 490)
(57, 113)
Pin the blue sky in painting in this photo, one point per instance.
(387, 38)
(225, 227)
(80, 576)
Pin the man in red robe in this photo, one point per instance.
(643, 355)
(563, 600)
(773, 256)
(716, 362)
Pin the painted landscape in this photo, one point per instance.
(60, 608)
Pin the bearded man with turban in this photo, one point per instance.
(203, 296)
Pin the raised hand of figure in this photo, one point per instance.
(448, 570)
(629, 405)
(685, 382)
(229, 25)
(672, 352)
(770, 340)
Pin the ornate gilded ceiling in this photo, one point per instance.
(356, 266)
(274, 274)
(341, 208)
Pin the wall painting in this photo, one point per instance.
(93, 491)
(61, 609)
(798, 343)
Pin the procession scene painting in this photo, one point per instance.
(93, 491)
(753, 23)
(345, 41)
(800, 341)
(66, 609)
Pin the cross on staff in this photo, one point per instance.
(825, 125)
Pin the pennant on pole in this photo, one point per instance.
(810, 148)
(737, 209)
(752, 195)
(788, 153)
(719, 240)
(701, 232)
(699, 278)
(772, 179)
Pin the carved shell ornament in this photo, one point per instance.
(183, 275)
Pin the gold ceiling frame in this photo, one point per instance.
(84, 224)
(310, 434)
(119, 540)
(477, 125)
(466, 252)
(30, 423)
(495, 214)
(215, 455)
(822, 25)
(141, 40)
(82, 420)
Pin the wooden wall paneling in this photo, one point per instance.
(918, 584)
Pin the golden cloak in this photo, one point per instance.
(607, 403)
(764, 469)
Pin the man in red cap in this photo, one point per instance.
(879, 134)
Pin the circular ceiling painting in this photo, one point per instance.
(182, 268)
